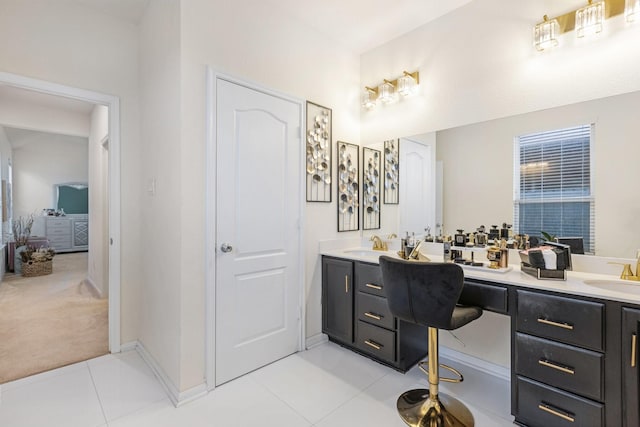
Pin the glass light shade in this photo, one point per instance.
(589, 19)
(386, 93)
(632, 10)
(407, 85)
(545, 34)
(369, 99)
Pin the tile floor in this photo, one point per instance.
(326, 386)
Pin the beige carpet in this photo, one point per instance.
(50, 321)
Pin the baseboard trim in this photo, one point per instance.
(316, 340)
(178, 398)
(476, 363)
(93, 288)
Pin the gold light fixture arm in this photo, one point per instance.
(567, 22)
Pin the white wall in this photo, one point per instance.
(25, 115)
(66, 43)
(98, 200)
(161, 330)
(257, 42)
(478, 63)
(41, 161)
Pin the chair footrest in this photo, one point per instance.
(459, 379)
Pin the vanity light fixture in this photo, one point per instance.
(545, 34)
(388, 91)
(408, 83)
(585, 21)
(369, 97)
(632, 10)
(590, 18)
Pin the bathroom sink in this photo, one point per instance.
(365, 252)
(616, 285)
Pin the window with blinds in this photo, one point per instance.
(553, 184)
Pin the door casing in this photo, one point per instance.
(113, 103)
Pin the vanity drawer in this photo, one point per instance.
(540, 405)
(488, 297)
(369, 279)
(560, 365)
(569, 320)
(374, 310)
(376, 341)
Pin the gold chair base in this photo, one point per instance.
(417, 409)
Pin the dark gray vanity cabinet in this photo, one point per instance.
(337, 299)
(630, 370)
(363, 309)
(559, 361)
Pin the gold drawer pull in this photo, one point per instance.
(373, 316)
(634, 350)
(552, 323)
(372, 286)
(552, 365)
(346, 283)
(559, 414)
(373, 344)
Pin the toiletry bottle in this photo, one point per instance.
(460, 238)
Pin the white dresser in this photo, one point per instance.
(68, 234)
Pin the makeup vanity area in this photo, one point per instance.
(573, 343)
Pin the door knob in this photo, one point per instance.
(225, 247)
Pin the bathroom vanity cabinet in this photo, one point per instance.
(630, 374)
(337, 299)
(574, 358)
(355, 314)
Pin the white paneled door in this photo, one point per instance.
(258, 205)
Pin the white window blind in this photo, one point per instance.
(553, 184)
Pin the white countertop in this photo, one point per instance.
(574, 285)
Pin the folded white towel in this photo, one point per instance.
(550, 259)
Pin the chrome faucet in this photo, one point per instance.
(378, 244)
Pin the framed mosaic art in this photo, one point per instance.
(348, 187)
(392, 172)
(371, 177)
(318, 153)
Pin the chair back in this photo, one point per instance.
(423, 293)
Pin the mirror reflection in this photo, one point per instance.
(476, 166)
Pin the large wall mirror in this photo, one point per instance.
(478, 170)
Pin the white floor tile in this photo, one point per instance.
(327, 386)
(67, 400)
(318, 381)
(125, 384)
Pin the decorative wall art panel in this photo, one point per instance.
(371, 176)
(318, 137)
(348, 195)
(391, 172)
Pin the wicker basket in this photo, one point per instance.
(41, 268)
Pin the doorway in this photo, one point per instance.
(254, 200)
(109, 254)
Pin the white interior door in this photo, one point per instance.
(417, 186)
(258, 255)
